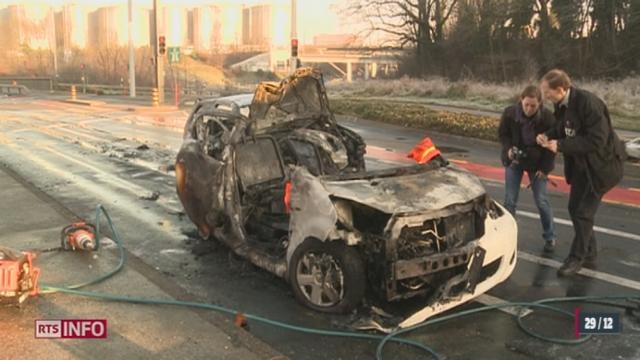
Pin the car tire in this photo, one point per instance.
(327, 276)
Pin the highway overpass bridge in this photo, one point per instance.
(367, 62)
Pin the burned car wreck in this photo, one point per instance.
(282, 184)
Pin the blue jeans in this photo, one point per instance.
(513, 177)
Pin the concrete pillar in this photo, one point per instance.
(349, 72)
(366, 71)
(374, 70)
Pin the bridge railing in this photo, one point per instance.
(33, 83)
(10, 89)
(103, 89)
(140, 90)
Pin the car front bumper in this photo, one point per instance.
(500, 256)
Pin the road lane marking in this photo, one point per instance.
(630, 263)
(486, 299)
(566, 222)
(599, 229)
(143, 173)
(613, 279)
(112, 196)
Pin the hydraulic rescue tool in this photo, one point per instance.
(79, 236)
(18, 276)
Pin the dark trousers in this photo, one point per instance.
(583, 204)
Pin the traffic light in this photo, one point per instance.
(162, 45)
(294, 47)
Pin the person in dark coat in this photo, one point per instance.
(593, 159)
(519, 126)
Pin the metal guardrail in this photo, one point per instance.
(140, 90)
(32, 83)
(10, 89)
(103, 89)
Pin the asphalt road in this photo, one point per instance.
(83, 155)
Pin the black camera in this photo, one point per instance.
(518, 155)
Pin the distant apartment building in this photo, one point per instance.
(173, 24)
(104, 29)
(35, 30)
(256, 25)
(205, 28)
(108, 26)
(9, 27)
(266, 25)
(71, 28)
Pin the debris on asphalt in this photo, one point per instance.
(151, 196)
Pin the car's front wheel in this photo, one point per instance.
(327, 276)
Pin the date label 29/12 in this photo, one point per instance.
(597, 323)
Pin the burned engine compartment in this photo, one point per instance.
(410, 256)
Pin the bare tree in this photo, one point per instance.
(420, 24)
(110, 63)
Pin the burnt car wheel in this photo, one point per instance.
(327, 276)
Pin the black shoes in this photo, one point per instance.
(570, 267)
(549, 246)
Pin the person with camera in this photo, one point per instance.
(519, 126)
(593, 159)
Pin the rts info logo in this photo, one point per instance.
(71, 329)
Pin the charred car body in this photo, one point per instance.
(276, 179)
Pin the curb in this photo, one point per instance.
(152, 109)
(80, 102)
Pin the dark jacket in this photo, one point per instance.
(587, 140)
(510, 134)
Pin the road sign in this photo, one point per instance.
(174, 54)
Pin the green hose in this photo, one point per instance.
(383, 339)
(48, 289)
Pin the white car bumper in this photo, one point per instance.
(500, 242)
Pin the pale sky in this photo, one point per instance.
(100, 3)
(314, 16)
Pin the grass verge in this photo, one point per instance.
(420, 116)
(622, 96)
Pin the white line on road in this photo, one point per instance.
(486, 299)
(617, 280)
(143, 173)
(600, 229)
(613, 279)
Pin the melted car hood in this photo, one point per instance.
(433, 189)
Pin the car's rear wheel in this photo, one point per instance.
(327, 276)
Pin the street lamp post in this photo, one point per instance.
(158, 60)
(132, 62)
(293, 63)
(54, 46)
